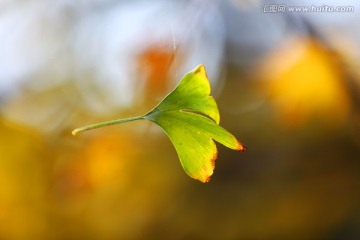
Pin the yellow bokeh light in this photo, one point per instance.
(304, 82)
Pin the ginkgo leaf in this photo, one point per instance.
(190, 117)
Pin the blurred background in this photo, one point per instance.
(287, 85)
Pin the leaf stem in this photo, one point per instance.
(104, 124)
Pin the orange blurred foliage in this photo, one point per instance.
(155, 64)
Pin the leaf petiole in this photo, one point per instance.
(104, 124)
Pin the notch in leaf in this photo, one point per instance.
(190, 117)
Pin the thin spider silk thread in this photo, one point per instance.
(174, 38)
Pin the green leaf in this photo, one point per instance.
(190, 118)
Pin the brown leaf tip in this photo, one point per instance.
(241, 147)
(207, 179)
(214, 157)
(212, 160)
